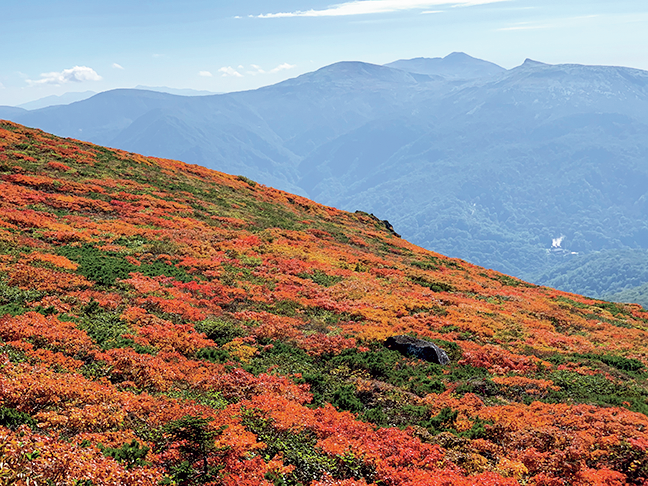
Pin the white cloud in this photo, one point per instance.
(205, 74)
(230, 71)
(2, 86)
(77, 74)
(283, 67)
(361, 7)
(117, 66)
(255, 70)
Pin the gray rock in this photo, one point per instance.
(418, 348)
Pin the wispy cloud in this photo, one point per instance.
(117, 66)
(77, 74)
(229, 71)
(205, 74)
(2, 86)
(255, 70)
(282, 67)
(526, 26)
(363, 7)
(554, 23)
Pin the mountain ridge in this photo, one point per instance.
(524, 156)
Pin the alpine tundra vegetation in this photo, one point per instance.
(163, 323)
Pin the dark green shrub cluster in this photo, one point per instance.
(130, 455)
(597, 390)
(199, 460)
(13, 300)
(105, 268)
(321, 278)
(300, 450)
(12, 418)
(433, 285)
(221, 330)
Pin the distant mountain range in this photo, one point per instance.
(462, 156)
(176, 91)
(54, 100)
(74, 96)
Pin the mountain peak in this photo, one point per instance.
(457, 55)
(455, 66)
(531, 63)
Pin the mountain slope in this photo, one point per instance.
(162, 321)
(494, 171)
(637, 295)
(54, 100)
(490, 169)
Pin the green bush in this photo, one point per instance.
(345, 398)
(131, 454)
(12, 418)
(221, 330)
(321, 278)
(105, 268)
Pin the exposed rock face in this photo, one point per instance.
(418, 348)
(382, 222)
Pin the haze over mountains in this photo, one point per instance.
(462, 156)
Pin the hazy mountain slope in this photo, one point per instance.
(213, 131)
(177, 91)
(160, 321)
(507, 166)
(8, 112)
(601, 273)
(454, 66)
(635, 295)
(102, 117)
(490, 169)
(261, 133)
(318, 107)
(54, 100)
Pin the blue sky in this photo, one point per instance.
(55, 46)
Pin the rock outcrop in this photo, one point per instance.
(418, 348)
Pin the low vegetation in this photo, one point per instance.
(162, 323)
